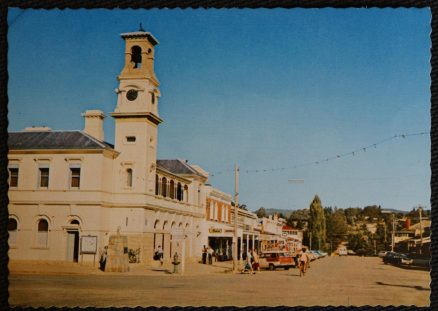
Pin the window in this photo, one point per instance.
(129, 177)
(179, 192)
(13, 176)
(153, 98)
(164, 187)
(44, 177)
(43, 230)
(211, 211)
(172, 189)
(156, 185)
(130, 139)
(12, 230)
(75, 177)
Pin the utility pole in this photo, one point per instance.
(393, 229)
(236, 204)
(421, 228)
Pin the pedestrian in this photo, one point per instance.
(303, 262)
(255, 264)
(103, 258)
(204, 254)
(210, 255)
(159, 254)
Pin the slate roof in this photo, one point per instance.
(177, 166)
(54, 140)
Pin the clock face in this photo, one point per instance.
(132, 95)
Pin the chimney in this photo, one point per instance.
(408, 223)
(94, 123)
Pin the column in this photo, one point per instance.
(253, 247)
(247, 243)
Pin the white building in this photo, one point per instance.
(66, 185)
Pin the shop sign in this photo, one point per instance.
(215, 230)
(229, 230)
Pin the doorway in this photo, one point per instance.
(72, 246)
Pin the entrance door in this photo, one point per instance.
(72, 246)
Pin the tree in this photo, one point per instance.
(336, 227)
(317, 225)
(261, 212)
(372, 211)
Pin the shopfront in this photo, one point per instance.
(221, 241)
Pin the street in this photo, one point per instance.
(330, 281)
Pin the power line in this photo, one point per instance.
(325, 159)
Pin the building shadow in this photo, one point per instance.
(417, 287)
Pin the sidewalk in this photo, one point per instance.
(17, 267)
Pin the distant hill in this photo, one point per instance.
(287, 212)
(391, 210)
(272, 211)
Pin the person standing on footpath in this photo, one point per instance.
(160, 254)
(204, 255)
(255, 264)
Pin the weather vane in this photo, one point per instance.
(141, 27)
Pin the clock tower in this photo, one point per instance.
(136, 115)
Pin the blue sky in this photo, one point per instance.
(261, 88)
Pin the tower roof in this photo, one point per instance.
(140, 34)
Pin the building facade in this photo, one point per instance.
(68, 185)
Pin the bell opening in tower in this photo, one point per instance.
(136, 56)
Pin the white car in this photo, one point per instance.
(342, 252)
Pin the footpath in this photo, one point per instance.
(19, 267)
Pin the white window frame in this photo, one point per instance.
(70, 179)
(211, 216)
(40, 167)
(13, 166)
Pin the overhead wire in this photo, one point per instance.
(324, 159)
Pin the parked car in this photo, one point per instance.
(397, 259)
(322, 254)
(316, 254)
(342, 251)
(276, 259)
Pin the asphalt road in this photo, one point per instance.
(330, 281)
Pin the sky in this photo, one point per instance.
(266, 89)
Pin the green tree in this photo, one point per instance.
(336, 227)
(372, 211)
(261, 212)
(317, 225)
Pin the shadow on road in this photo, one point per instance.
(417, 287)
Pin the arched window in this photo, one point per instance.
(157, 183)
(164, 187)
(179, 193)
(186, 193)
(43, 232)
(136, 56)
(173, 224)
(129, 177)
(180, 225)
(172, 189)
(74, 222)
(12, 230)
